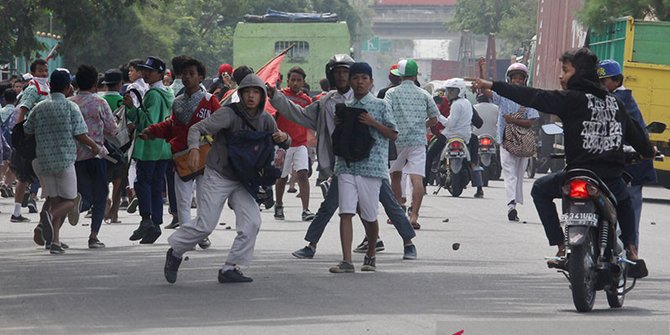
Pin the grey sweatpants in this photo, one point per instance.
(212, 194)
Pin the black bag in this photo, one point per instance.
(24, 144)
(351, 139)
(251, 156)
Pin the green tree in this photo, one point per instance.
(513, 21)
(597, 13)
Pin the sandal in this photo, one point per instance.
(560, 264)
(415, 225)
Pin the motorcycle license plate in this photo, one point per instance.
(580, 219)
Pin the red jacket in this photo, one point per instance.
(175, 132)
(297, 132)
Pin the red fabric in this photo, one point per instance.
(445, 109)
(175, 132)
(269, 74)
(297, 132)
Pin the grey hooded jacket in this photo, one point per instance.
(225, 120)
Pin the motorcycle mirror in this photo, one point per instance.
(552, 129)
(656, 127)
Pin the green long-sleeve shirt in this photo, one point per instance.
(157, 105)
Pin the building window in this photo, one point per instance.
(298, 54)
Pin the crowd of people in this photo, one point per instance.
(159, 135)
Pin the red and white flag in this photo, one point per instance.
(52, 54)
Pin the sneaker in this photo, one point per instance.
(138, 234)
(3, 191)
(479, 194)
(363, 247)
(279, 212)
(56, 249)
(19, 218)
(269, 203)
(47, 227)
(62, 245)
(132, 207)
(174, 224)
(409, 252)
(171, 267)
(512, 215)
(205, 243)
(10, 191)
(233, 276)
(325, 186)
(95, 244)
(124, 204)
(151, 235)
(306, 252)
(343, 267)
(307, 215)
(369, 263)
(73, 214)
(292, 190)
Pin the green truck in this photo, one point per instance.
(254, 43)
(642, 48)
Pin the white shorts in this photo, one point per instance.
(411, 160)
(62, 184)
(361, 192)
(296, 159)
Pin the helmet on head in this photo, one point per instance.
(339, 60)
(456, 83)
(517, 68)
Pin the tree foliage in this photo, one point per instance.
(107, 33)
(597, 13)
(513, 21)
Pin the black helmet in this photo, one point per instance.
(339, 60)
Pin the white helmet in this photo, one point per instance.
(457, 83)
(517, 68)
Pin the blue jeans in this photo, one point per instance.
(330, 205)
(635, 192)
(169, 178)
(548, 188)
(92, 185)
(149, 189)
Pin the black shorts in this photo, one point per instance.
(22, 168)
(117, 171)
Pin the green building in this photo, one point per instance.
(254, 43)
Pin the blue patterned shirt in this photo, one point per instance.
(507, 106)
(376, 165)
(55, 122)
(29, 98)
(411, 106)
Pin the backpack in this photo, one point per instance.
(251, 156)
(25, 145)
(351, 139)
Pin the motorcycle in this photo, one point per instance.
(454, 173)
(489, 152)
(595, 258)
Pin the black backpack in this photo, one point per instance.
(351, 139)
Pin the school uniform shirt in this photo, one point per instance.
(114, 99)
(187, 110)
(595, 123)
(411, 106)
(55, 122)
(507, 106)
(297, 132)
(376, 165)
(141, 86)
(99, 121)
(31, 96)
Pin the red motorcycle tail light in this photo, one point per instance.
(455, 145)
(485, 141)
(579, 189)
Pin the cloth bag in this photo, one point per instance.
(517, 140)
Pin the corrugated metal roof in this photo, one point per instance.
(416, 2)
(557, 31)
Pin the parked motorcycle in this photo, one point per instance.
(595, 258)
(454, 173)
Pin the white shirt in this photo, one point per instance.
(458, 124)
(141, 86)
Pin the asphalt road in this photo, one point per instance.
(495, 283)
